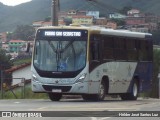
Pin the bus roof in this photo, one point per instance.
(103, 31)
(125, 33)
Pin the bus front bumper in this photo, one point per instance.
(77, 88)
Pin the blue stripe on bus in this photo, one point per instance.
(144, 73)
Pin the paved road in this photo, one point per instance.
(71, 106)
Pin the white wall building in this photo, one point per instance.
(19, 72)
(133, 11)
(116, 16)
(94, 14)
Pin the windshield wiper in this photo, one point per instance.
(59, 50)
(52, 46)
(70, 43)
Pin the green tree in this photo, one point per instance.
(156, 70)
(156, 37)
(23, 32)
(47, 19)
(5, 64)
(125, 9)
(120, 22)
(5, 61)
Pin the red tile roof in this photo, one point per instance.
(14, 68)
(16, 41)
(82, 17)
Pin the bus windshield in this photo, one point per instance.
(60, 54)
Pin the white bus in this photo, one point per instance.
(91, 62)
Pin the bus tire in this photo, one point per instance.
(97, 97)
(133, 94)
(102, 92)
(54, 96)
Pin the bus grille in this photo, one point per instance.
(63, 88)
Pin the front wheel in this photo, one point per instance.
(102, 92)
(54, 96)
(133, 94)
(97, 97)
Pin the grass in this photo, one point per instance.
(20, 93)
(145, 95)
(21, 61)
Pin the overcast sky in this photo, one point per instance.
(13, 2)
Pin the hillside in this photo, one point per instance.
(35, 10)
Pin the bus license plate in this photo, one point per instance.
(56, 90)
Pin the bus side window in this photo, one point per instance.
(37, 50)
(132, 50)
(143, 51)
(108, 48)
(120, 48)
(94, 50)
(150, 52)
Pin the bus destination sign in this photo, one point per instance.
(62, 33)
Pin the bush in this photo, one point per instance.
(156, 70)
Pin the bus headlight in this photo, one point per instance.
(34, 78)
(82, 77)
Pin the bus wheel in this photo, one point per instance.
(54, 96)
(102, 92)
(96, 97)
(133, 94)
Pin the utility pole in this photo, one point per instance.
(1, 83)
(55, 10)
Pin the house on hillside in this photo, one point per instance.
(133, 12)
(135, 21)
(101, 21)
(94, 14)
(5, 46)
(46, 24)
(37, 24)
(71, 13)
(112, 25)
(16, 46)
(82, 20)
(3, 37)
(116, 16)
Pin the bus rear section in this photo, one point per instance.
(122, 61)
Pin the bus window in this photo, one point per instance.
(108, 47)
(95, 50)
(143, 51)
(119, 49)
(131, 50)
(150, 48)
